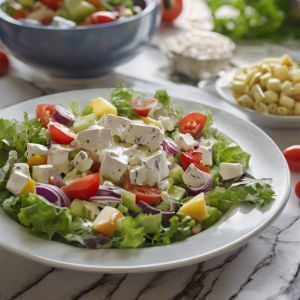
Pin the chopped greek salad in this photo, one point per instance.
(131, 172)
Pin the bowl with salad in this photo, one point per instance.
(77, 38)
(125, 181)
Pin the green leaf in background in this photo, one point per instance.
(163, 97)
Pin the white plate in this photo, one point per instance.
(234, 229)
(272, 121)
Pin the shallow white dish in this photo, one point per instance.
(272, 121)
(235, 228)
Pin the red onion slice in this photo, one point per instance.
(204, 188)
(169, 146)
(63, 115)
(107, 191)
(105, 199)
(53, 194)
(147, 209)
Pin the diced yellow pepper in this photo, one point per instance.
(107, 221)
(148, 120)
(102, 106)
(195, 208)
(37, 160)
(29, 187)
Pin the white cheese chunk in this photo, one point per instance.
(42, 173)
(95, 138)
(113, 165)
(185, 141)
(206, 155)
(143, 134)
(58, 158)
(134, 160)
(164, 185)
(194, 177)
(16, 182)
(36, 149)
(230, 170)
(21, 167)
(115, 123)
(167, 123)
(82, 161)
(138, 175)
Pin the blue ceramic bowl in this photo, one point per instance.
(80, 52)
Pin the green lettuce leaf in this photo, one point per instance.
(229, 152)
(163, 97)
(77, 110)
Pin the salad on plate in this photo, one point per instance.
(131, 172)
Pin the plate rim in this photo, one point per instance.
(166, 265)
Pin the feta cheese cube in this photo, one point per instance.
(167, 123)
(16, 182)
(206, 155)
(164, 185)
(42, 173)
(134, 160)
(58, 158)
(95, 138)
(193, 176)
(82, 161)
(115, 123)
(138, 175)
(185, 141)
(113, 165)
(21, 167)
(230, 170)
(143, 134)
(36, 149)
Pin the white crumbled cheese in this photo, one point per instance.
(95, 138)
(185, 141)
(134, 160)
(156, 107)
(113, 165)
(42, 173)
(115, 123)
(21, 167)
(167, 123)
(17, 182)
(108, 184)
(164, 185)
(157, 167)
(204, 143)
(36, 149)
(82, 161)
(206, 155)
(58, 158)
(230, 170)
(143, 134)
(194, 177)
(138, 175)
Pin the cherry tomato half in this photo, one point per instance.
(54, 4)
(4, 63)
(195, 157)
(83, 188)
(169, 15)
(192, 123)
(148, 194)
(45, 113)
(60, 133)
(103, 17)
(142, 106)
(292, 156)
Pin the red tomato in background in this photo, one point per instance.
(169, 15)
(53, 4)
(142, 106)
(103, 17)
(46, 18)
(297, 189)
(4, 63)
(292, 156)
(192, 123)
(60, 133)
(20, 13)
(195, 157)
(148, 194)
(83, 188)
(45, 113)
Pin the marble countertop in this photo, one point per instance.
(267, 267)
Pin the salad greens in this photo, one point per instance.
(159, 222)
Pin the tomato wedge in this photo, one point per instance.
(60, 133)
(142, 106)
(101, 17)
(83, 188)
(192, 123)
(146, 193)
(193, 157)
(292, 156)
(45, 113)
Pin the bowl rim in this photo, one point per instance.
(150, 6)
